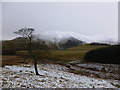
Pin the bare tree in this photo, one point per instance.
(33, 47)
(27, 34)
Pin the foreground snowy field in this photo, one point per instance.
(51, 76)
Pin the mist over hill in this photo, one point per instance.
(66, 39)
(61, 36)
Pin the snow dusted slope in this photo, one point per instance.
(61, 35)
(51, 76)
(50, 35)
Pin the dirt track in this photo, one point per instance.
(105, 71)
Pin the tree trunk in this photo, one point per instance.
(35, 65)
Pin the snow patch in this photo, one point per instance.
(51, 76)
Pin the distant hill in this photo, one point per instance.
(97, 43)
(86, 47)
(58, 42)
(9, 47)
(61, 35)
(70, 42)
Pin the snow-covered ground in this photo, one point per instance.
(51, 76)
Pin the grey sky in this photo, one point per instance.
(90, 18)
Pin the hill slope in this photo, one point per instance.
(104, 55)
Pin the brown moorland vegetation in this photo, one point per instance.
(14, 60)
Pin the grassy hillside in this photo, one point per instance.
(10, 47)
(74, 53)
(65, 55)
(86, 47)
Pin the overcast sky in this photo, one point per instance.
(89, 18)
